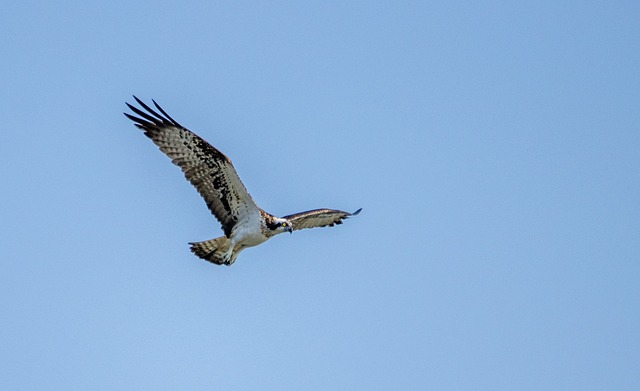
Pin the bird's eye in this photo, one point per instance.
(284, 224)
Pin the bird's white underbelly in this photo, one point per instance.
(248, 235)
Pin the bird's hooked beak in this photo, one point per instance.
(290, 229)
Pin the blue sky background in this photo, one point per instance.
(493, 146)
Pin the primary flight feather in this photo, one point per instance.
(212, 174)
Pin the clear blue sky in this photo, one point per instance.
(494, 147)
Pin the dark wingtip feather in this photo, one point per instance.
(165, 113)
(129, 106)
(138, 100)
(356, 212)
(139, 122)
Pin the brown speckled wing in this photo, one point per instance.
(319, 218)
(208, 169)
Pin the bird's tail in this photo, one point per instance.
(215, 251)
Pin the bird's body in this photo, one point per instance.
(213, 175)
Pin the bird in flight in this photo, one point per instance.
(212, 174)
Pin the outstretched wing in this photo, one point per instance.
(208, 169)
(318, 218)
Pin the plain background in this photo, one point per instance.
(494, 147)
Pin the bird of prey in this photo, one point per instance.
(212, 174)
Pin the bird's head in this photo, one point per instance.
(281, 225)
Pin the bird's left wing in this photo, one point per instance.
(319, 218)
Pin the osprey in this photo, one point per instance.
(211, 172)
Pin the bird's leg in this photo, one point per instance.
(226, 257)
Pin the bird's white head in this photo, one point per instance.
(279, 225)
